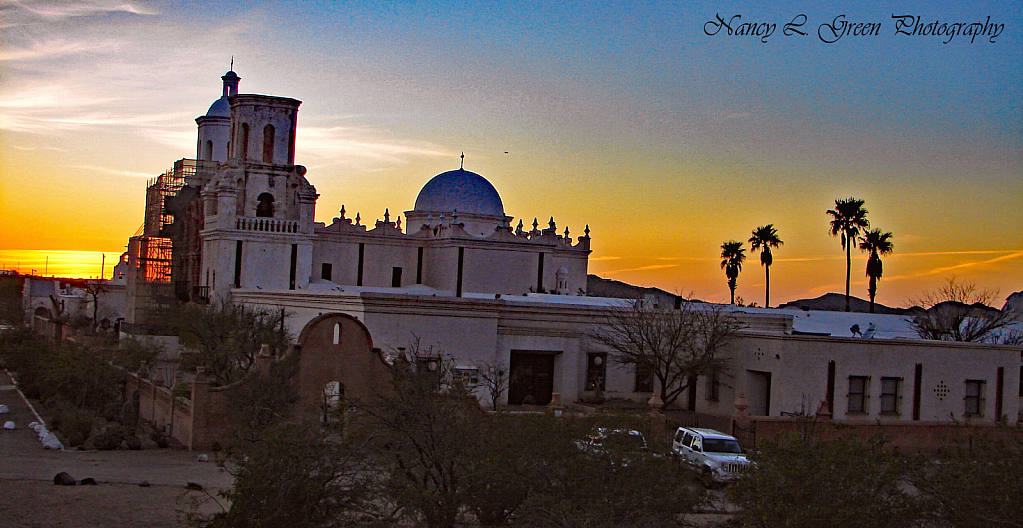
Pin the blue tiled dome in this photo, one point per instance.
(462, 191)
(219, 108)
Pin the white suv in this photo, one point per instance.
(716, 455)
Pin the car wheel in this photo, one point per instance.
(707, 478)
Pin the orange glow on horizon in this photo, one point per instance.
(59, 263)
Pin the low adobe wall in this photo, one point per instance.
(157, 405)
(912, 437)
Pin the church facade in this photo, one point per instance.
(455, 275)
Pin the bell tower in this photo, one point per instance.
(259, 207)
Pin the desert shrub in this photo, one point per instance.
(974, 482)
(75, 423)
(297, 476)
(130, 353)
(825, 483)
(612, 486)
(73, 380)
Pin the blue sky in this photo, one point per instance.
(623, 116)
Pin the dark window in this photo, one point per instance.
(209, 151)
(890, 397)
(858, 394)
(326, 270)
(644, 377)
(268, 144)
(265, 207)
(974, 398)
(595, 367)
(688, 440)
(396, 277)
(713, 387)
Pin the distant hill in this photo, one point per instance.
(835, 302)
(601, 287)
(1015, 303)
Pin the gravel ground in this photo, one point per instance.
(28, 497)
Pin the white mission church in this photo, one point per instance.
(238, 223)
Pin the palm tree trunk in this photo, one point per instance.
(767, 292)
(872, 290)
(848, 269)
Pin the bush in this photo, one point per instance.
(74, 381)
(974, 482)
(74, 423)
(297, 477)
(825, 483)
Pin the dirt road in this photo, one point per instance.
(28, 497)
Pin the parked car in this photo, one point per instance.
(623, 445)
(717, 456)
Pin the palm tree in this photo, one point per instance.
(876, 244)
(847, 218)
(764, 238)
(732, 255)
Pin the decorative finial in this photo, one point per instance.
(535, 223)
(551, 223)
(232, 62)
(387, 215)
(462, 162)
(566, 231)
(454, 216)
(587, 231)
(358, 218)
(342, 211)
(398, 223)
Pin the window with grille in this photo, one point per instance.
(858, 394)
(644, 377)
(974, 399)
(890, 396)
(713, 387)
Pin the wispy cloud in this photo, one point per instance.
(371, 146)
(686, 259)
(592, 259)
(650, 267)
(59, 10)
(114, 172)
(44, 49)
(1014, 255)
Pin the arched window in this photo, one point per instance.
(265, 207)
(268, 144)
(208, 155)
(337, 333)
(245, 141)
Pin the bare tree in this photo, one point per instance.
(227, 337)
(965, 292)
(676, 345)
(958, 311)
(495, 382)
(94, 289)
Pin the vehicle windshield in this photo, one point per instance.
(719, 445)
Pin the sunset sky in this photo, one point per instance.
(627, 117)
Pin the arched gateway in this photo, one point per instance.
(337, 359)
